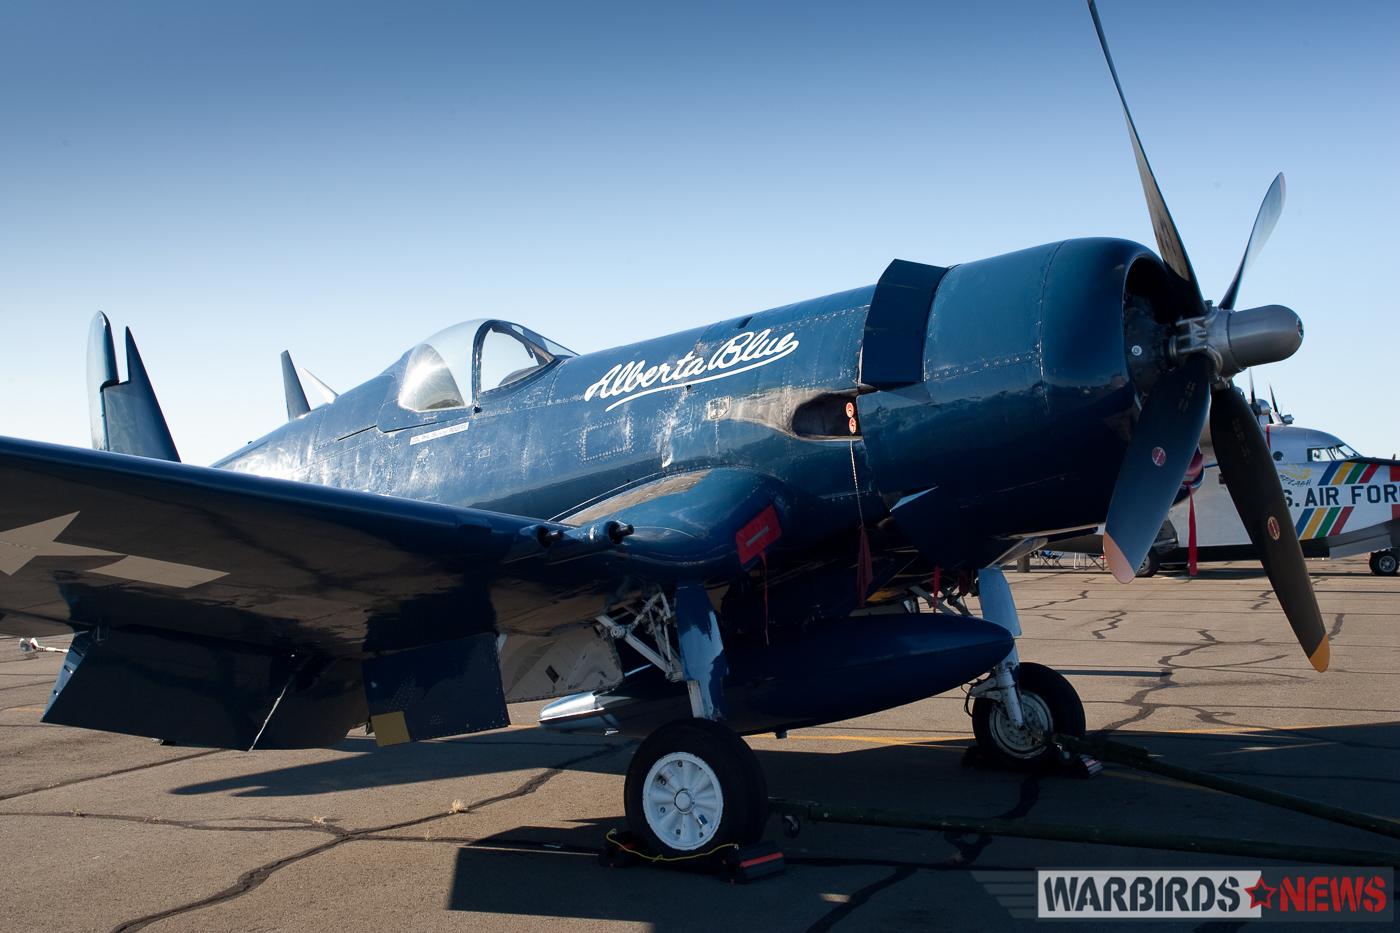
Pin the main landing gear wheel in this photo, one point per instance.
(693, 786)
(1048, 704)
(1384, 563)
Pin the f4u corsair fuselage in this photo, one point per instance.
(719, 532)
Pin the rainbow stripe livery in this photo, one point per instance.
(1326, 510)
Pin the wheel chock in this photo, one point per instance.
(749, 863)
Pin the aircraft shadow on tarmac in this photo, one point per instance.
(1351, 766)
(1347, 766)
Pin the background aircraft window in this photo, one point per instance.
(504, 359)
(428, 382)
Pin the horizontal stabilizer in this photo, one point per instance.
(126, 418)
(327, 393)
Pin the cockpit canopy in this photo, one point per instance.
(455, 366)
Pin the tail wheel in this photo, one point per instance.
(1048, 704)
(692, 786)
(1384, 563)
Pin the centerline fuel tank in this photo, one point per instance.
(827, 672)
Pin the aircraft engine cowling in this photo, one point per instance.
(1032, 364)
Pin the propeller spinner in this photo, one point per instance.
(1206, 346)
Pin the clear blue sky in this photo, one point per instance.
(342, 179)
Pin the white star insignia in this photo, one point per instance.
(19, 546)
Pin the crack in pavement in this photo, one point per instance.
(106, 774)
(860, 898)
(1336, 628)
(1113, 620)
(968, 851)
(288, 823)
(1028, 794)
(1083, 594)
(1138, 701)
(253, 878)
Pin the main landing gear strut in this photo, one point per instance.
(1017, 707)
(694, 786)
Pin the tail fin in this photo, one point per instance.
(291, 386)
(126, 418)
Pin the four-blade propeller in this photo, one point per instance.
(1209, 345)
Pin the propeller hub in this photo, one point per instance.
(1237, 340)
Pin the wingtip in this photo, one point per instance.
(1118, 564)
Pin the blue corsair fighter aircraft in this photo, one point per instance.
(720, 532)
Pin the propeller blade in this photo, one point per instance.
(1168, 239)
(1252, 479)
(1163, 444)
(1251, 389)
(1269, 211)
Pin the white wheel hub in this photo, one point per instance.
(1024, 741)
(682, 801)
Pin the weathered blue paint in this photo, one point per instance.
(1017, 426)
(1002, 414)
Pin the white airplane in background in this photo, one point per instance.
(1341, 502)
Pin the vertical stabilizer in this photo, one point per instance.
(291, 386)
(126, 418)
(101, 373)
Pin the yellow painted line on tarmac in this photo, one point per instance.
(932, 740)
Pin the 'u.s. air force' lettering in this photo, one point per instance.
(738, 354)
(1369, 494)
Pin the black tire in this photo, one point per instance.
(1044, 693)
(1150, 565)
(1385, 563)
(744, 810)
